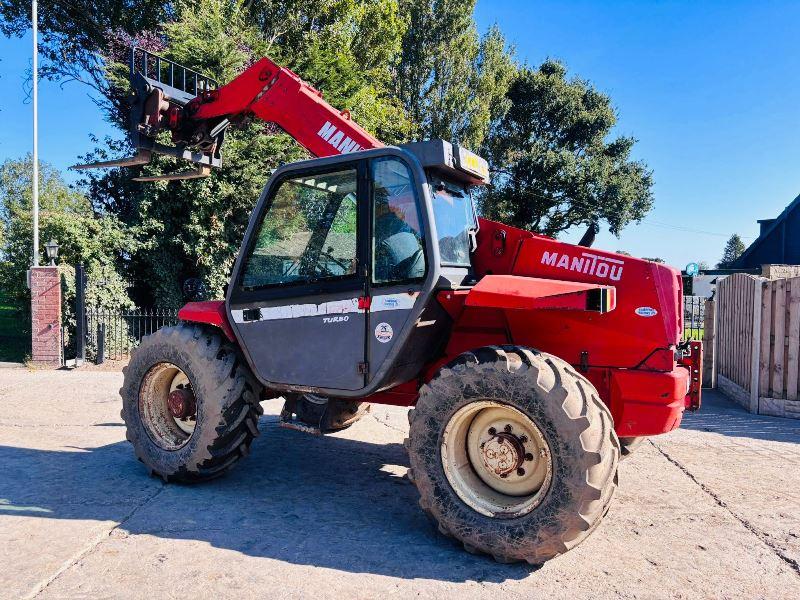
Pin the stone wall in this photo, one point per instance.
(45, 316)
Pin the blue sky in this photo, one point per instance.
(710, 90)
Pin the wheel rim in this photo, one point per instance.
(496, 459)
(167, 406)
(187, 419)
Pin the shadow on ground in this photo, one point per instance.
(329, 502)
(720, 415)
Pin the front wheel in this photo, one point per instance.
(513, 453)
(190, 404)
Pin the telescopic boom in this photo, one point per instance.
(196, 112)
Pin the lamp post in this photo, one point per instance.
(35, 191)
(52, 251)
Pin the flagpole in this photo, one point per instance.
(35, 197)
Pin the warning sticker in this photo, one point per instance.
(384, 332)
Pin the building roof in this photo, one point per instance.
(770, 229)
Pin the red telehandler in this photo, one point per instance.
(366, 276)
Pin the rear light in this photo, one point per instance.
(693, 362)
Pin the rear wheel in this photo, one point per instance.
(189, 403)
(513, 454)
(328, 414)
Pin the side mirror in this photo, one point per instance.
(588, 238)
(473, 240)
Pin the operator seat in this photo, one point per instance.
(398, 247)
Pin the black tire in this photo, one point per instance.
(628, 445)
(226, 396)
(575, 423)
(338, 414)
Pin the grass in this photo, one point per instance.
(693, 334)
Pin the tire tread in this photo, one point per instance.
(220, 366)
(592, 423)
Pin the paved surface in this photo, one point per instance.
(712, 511)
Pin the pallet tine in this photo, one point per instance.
(140, 158)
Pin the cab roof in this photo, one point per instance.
(450, 160)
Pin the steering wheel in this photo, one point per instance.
(329, 256)
(403, 269)
(321, 270)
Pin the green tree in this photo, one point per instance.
(404, 69)
(451, 81)
(554, 166)
(65, 215)
(734, 248)
(193, 229)
(346, 48)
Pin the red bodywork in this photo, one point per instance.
(625, 345)
(627, 353)
(533, 293)
(276, 94)
(210, 313)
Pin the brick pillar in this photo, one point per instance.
(46, 316)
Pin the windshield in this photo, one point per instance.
(452, 209)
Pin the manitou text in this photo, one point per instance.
(588, 263)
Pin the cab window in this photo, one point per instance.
(308, 233)
(453, 212)
(398, 252)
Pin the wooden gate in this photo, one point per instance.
(779, 361)
(758, 343)
(735, 300)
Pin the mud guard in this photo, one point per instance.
(211, 312)
(527, 293)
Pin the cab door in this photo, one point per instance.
(297, 301)
(398, 264)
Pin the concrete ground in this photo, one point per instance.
(709, 511)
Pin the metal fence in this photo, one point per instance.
(694, 312)
(113, 334)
